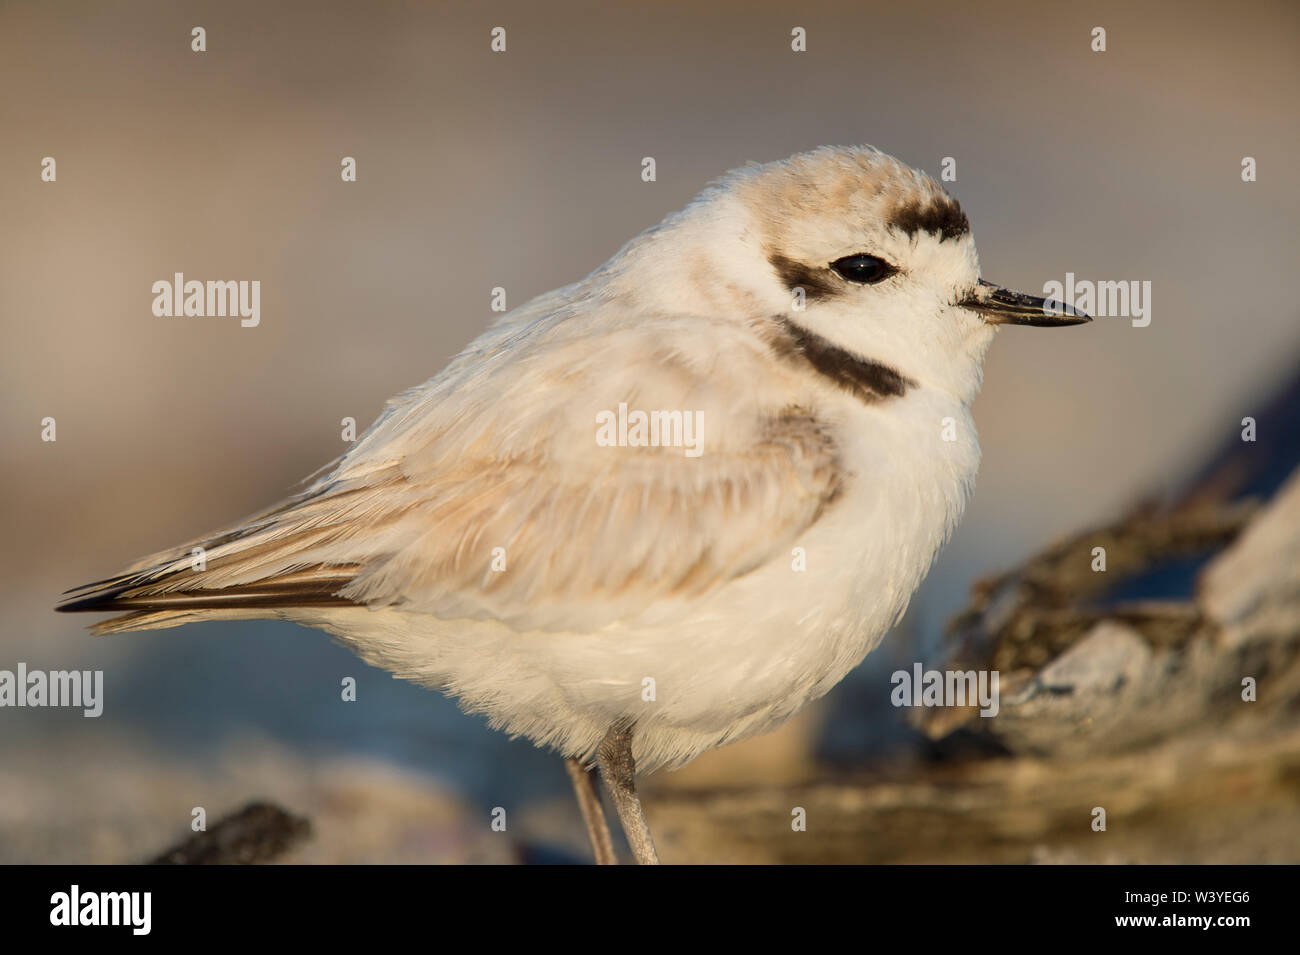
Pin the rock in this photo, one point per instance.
(1110, 657)
(1252, 590)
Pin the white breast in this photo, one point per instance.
(742, 660)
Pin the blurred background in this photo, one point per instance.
(522, 170)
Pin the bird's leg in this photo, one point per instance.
(614, 757)
(593, 814)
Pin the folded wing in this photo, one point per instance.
(485, 494)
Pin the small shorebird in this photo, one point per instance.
(660, 509)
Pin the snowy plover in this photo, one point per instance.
(510, 532)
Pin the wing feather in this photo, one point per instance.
(483, 494)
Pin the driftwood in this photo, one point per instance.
(1207, 798)
(1196, 616)
(260, 832)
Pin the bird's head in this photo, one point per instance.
(847, 244)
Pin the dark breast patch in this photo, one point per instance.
(868, 381)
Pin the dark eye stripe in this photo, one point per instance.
(816, 283)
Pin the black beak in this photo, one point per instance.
(1001, 306)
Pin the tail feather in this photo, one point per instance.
(310, 587)
(163, 619)
(268, 563)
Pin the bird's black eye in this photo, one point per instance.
(863, 269)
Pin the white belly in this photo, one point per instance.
(738, 662)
